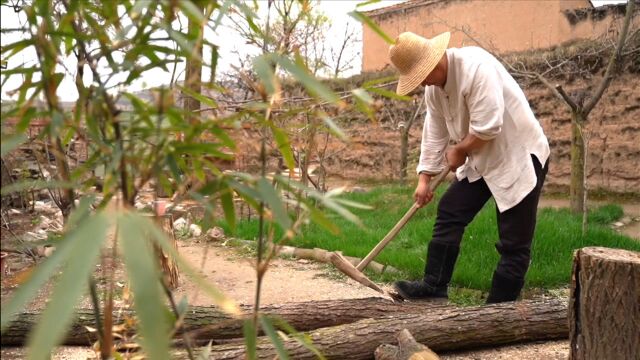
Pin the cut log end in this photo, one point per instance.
(408, 349)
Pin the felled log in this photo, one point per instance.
(442, 328)
(207, 322)
(322, 255)
(604, 307)
(408, 349)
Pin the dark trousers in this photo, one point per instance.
(463, 200)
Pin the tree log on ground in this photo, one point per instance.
(441, 329)
(207, 322)
(408, 349)
(604, 307)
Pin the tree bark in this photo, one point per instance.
(408, 349)
(604, 307)
(207, 322)
(441, 329)
(576, 189)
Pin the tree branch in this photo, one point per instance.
(566, 97)
(615, 56)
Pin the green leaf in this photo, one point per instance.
(367, 3)
(264, 69)
(313, 86)
(192, 11)
(270, 196)
(27, 291)
(302, 338)
(250, 339)
(35, 185)
(11, 142)
(366, 20)
(362, 95)
(145, 280)
(282, 140)
(275, 338)
(381, 80)
(205, 353)
(389, 94)
(74, 279)
(227, 305)
(203, 99)
(333, 127)
(226, 198)
(321, 219)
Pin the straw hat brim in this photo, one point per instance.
(408, 82)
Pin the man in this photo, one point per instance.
(499, 150)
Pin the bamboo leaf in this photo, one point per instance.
(366, 20)
(226, 198)
(45, 270)
(250, 339)
(191, 11)
(270, 196)
(362, 4)
(362, 95)
(282, 140)
(58, 315)
(333, 127)
(145, 282)
(203, 99)
(225, 304)
(313, 86)
(275, 338)
(264, 70)
(389, 94)
(11, 142)
(302, 338)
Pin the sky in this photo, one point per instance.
(229, 44)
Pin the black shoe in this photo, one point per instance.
(420, 290)
(504, 288)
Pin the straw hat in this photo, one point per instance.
(415, 57)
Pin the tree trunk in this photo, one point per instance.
(604, 308)
(441, 329)
(193, 72)
(207, 322)
(168, 264)
(404, 153)
(577, 164)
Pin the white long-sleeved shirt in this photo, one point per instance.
(481, 98)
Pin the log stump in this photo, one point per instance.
(604, 308)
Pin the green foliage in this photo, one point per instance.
(605, 215)
(137, 139)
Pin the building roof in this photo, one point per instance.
(403, 6)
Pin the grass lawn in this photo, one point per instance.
(558, 234)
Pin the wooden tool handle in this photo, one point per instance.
(433, 184)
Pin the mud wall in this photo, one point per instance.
(504, 25)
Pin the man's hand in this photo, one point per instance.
(456, 157)
(423, 195)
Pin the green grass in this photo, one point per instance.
(558, 234)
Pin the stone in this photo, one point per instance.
(180, 224)
(195, 230)
(215, 234)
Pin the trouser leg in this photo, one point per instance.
(516, 227)
(458, 206)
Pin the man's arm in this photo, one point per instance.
(457, 154)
